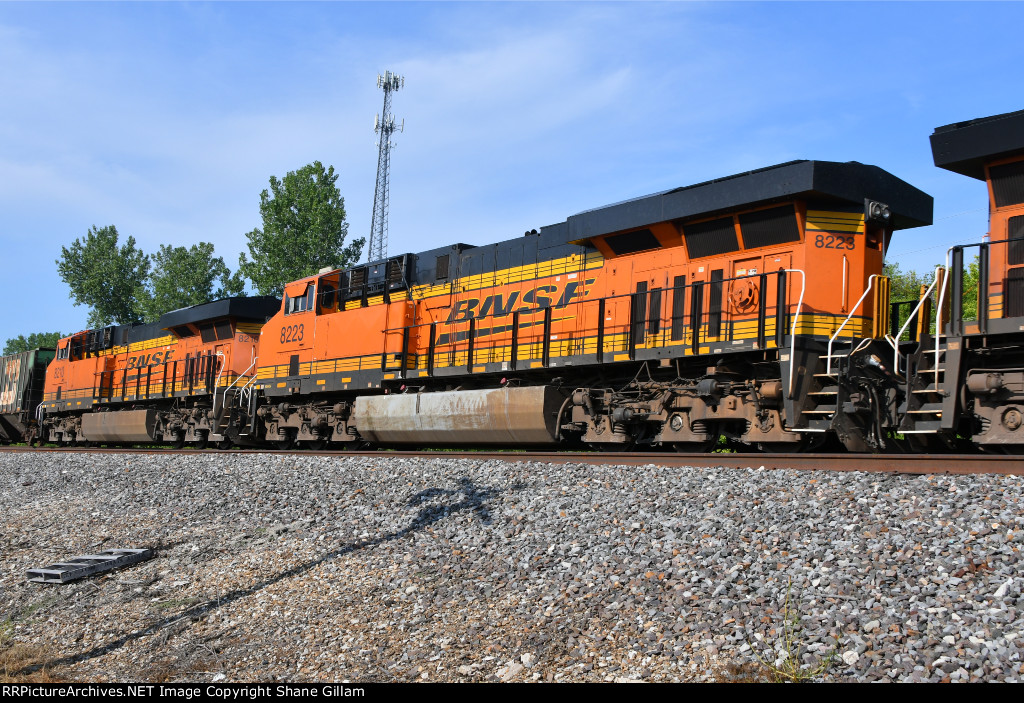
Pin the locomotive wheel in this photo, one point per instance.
(204, 440)
(314, 445)
(284, 444)
(179, 441)
(225, 444)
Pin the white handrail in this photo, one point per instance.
(938, 311)
(895, 341)
(828, 364)
(796, 321)
(224, 395)
(246, 390)
(216, 383)
(846, 276)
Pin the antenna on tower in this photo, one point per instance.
(384, 126)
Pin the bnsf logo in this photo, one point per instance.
(137, 362)
(533, 300)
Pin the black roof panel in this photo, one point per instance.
(965, 147)
(850, 182)
(259, 308)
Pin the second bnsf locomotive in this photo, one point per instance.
(751, 308)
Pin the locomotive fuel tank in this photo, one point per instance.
(125, 426)
(510, 416)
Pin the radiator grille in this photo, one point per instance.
(711, 238)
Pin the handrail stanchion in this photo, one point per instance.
(871, 283)
(795, 325)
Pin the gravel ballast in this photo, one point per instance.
(302, 568)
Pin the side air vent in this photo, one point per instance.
(710, 238)
(441, 266)
(396, 273)
(1015, 233)
(632, 242)
(1014, 287)
(1008, 183)
(765, 228)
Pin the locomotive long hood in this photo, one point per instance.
(849, 182)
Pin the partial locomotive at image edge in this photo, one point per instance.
(751, 308)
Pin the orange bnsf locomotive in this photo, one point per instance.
(169, 381)
(669, 320)
(751, 308)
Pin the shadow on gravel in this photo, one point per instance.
(474, 499)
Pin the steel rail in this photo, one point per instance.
(961, 464)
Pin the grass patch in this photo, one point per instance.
(31, 610)
(783, 663)
(22, 663)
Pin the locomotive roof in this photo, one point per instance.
(850, 182)
(258, 307)
(965, 147)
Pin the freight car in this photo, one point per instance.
(21, 390)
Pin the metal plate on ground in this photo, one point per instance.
(88, 564)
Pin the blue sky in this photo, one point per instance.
(167, 119)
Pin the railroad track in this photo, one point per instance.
(892, 463)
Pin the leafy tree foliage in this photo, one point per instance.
(36, 340)
(111, 280)
(972, 275)
(904, 285)
(304, 230)
(182, 277)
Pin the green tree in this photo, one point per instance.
(904, 285)
(182, 277)
(304, 230)
(111, 280)
(36, 340)
(972, 274)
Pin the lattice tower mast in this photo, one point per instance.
(384, 126)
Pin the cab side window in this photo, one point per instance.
(300, 303)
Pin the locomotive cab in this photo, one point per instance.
(979, 371)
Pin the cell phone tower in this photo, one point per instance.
(384, 126)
